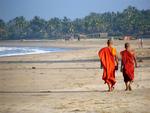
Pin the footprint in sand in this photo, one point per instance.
(99, 102)
(60, 107)
(70, 103)
(77, 110)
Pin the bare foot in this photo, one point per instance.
(130, 89)
(112, 88)
(109, 90)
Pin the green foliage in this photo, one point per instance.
(17, 28)
(37, 28)
(129, 22)
(3, 30)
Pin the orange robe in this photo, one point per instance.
(128, 65)
(106, 56)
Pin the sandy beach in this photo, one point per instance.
(70, 81)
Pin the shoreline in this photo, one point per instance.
(21, 51)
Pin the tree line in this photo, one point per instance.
(130, 21)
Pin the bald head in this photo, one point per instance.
(109, 42)
(127, 45)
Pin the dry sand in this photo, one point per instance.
(74, 86)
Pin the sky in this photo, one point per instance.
(72, 9)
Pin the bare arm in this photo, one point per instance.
(116, 59)
(121, 69)
(101, 65)
(135, 61)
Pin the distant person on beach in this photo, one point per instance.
(109, 60)
(128, 61)
(140, 42)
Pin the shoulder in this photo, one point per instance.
(122, 52)
(102, 51)
(104, 48)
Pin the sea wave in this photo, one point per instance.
(13, 51)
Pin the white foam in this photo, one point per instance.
(7, 48)
(13, 51)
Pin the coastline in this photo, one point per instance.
(8, 51)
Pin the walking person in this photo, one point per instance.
(128, 62)
(109, 60)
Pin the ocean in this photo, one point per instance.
(14, 51)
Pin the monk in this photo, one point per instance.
(127, 66)
(109, 62)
